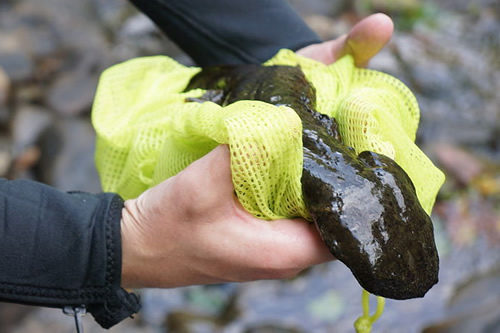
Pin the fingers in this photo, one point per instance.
(302, 242)
(363, 42)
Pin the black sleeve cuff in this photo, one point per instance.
(62, 249)
(117, 304)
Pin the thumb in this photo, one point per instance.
(205, 185)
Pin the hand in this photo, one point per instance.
(191, 229)
(364, 41)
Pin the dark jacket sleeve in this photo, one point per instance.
(59, 249)
(229, 31)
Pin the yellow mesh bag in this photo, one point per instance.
(146, 132)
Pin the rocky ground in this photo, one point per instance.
(447, 52)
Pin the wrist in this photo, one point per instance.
(131, 260)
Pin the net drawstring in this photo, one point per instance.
(364, 323)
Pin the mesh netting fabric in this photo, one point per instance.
(147, 132)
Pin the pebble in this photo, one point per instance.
(67, 160)
(5, 156)
(326, 27)
(28, 123)
(475, 307)
(39, 37)
(72, 93)
(18, 65)
(4, 87)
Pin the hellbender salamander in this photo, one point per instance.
(364, 206)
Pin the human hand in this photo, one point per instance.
(191, 229)
(364, 41)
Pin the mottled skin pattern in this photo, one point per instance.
(364, 206)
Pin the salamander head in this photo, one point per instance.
(373, 223)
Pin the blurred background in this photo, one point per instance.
(448, 52)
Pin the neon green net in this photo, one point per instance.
(147, 132)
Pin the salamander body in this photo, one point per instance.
(364, 206)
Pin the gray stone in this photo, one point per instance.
(9, 41)
(5, 156)
(319, 7)
(4, 87)
(38, 37)
(29, 32)
(29, 93)
(138, 36)
(74, 22)
(28, 123)
(17, 64)
(72, 93)
(67, 160)
(326, 27)
(475, 307)
(137, 26)
(43, 320)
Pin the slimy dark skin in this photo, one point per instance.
(364, 206)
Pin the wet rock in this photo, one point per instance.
(5, 156)
(43, 320)
(72, 93)
(385, 62)
(67, 29)
(326, 27)
(4, 117)
(395, 6)
(38, 36)
(67, 160)
(272, 328)
(189, 321)
(319, 7)
(24, 162)
(4, 87)
(137, 26)
(111, 13)
(17, 64)
(475, 307)
(328, 307)
(29, 93)
(27, 125)
(466, 6)
(67, 19)
(461, 164)
(138, 36)
(455, 90)
(9, 40)
(30, 32)
(468, 216)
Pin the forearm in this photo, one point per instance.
(229, 31)
(62, 249)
